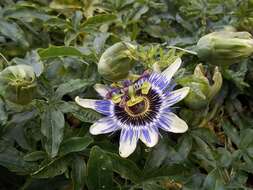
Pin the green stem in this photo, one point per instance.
(7, 62)
(210, 116)
(182, 49)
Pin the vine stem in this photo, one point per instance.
(4, 58)
(182, 49)
(209, 116)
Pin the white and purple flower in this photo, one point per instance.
(139, 109)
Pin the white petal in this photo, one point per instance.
(172, 69)
(101, 89)
(177, 95)
(104, 107)
(86, 103)
(127, 144)
(176, 124)
(102, 126)
(151, 137)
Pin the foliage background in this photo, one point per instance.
(46, 144)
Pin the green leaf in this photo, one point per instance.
(165, 152)
(67, 107)
(238, 76)
(53, 168)
(204, 153)
(74, 144)
(125, 168)
(3, 114)
(87, 115)
(142, 9)
(25, 14)
(205, 134)
(14, 32)
(98, 19)
(224, 157)
(99, 170)
(17, 133)
(231, 132)
(99, 41)
(158, 155)
(71, 4)
(35, 156)
(71, 86)
(57, 51)
(52, 127)
(152, 186)
(214, 181)
(246, 138)
(194, 182)
(12, 159)
(78, 173)
(83, 114)
(23, 117)
(185, 147)
(172, 172)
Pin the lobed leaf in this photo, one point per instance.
(52, 127)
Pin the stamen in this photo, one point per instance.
(141, 113)
(116, 98)
(139, 109)
(145, 87)
(133, 98)
(116, 85)
(122, 103)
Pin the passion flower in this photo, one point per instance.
(116, 62)
(138, 108)
(19, 83)
(225, 47)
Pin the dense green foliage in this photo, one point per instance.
(45, 144)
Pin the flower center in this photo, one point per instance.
(138, 109)
(141, 113)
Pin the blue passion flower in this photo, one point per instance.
(138, 108)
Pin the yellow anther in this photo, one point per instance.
(116, 98)
(145, 87)
(134, 100)
(116, 85)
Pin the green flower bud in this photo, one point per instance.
(225, 47)
(201, 92)
(116, 62)
(197, 97)
(19, 83)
